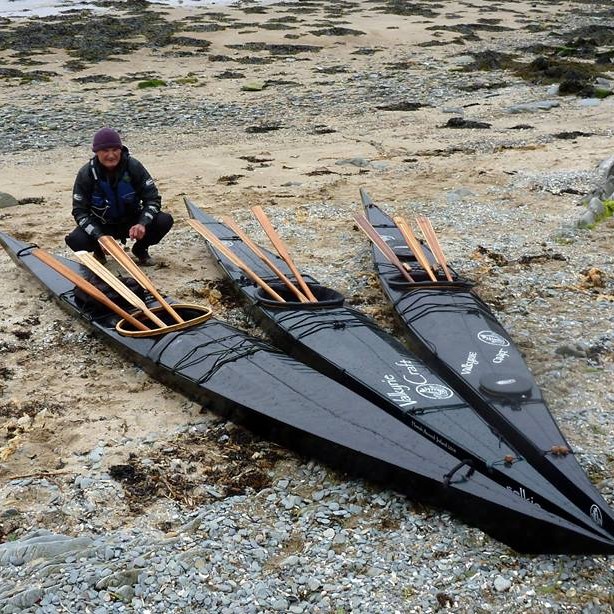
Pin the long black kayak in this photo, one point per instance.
(246, 379)
(458, 335)
(349, 347)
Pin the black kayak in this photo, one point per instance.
(246, 379)
(457, 334)
(349, 347)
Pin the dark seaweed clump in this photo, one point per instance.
(573, 77)
(222, 462)
(403, 7)
(91, 38)
(276, 49)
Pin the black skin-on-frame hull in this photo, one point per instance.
(458, 335)
(251, 382)
(348, 346)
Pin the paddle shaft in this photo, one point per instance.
(99, 269)
(131, 267)
(87, 287)
(279, 245)
(243, 236)
(200, 228)
(414, 245)
(375, 237)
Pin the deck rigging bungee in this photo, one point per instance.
(246, 379)
(458, 335)
(349, 347)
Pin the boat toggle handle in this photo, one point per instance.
(447, 478)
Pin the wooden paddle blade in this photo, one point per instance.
(103, 273)
(431, 239)
(245, 238)
(202, 230)
(116, 251)
(280, 246)
(376, 239)
(87, 287)
(414, 245)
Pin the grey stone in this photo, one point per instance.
(6, 200)
(25, 599)
(119, 578)
(359, 162)
(458, 195)
(532, 107)
(589, 102)
(596, 206)
(553, 90)
(586, 219)
(43, 547)
(280, 605)
(502, 584)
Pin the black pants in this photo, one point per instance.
(79, 240)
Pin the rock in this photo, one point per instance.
(502, 584)
(253, 86)
(458, 195)
(586, 219)
(25, 599)
(459, 122)
(576, 350)
(597, 207)
(606, 167)
(359, 162)
(533, 107)
(6, 200)
(43, 547)
(589, 102)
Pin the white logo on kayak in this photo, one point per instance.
(402, 390)
(501, 356)
(596, 515)
(506, 382)
(470, 362)
(388, 238)
(434, 391)
(522, 493)
(492, 338)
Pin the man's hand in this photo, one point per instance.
(137, 232)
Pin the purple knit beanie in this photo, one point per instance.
(106, 139)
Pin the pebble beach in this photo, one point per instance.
(118, 494)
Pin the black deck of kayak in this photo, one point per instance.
(458, 335)
(349, 347)
(273, 394)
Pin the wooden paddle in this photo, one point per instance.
(202, 230)
(113, 248)
(282, 250)
(414, 245)
(431, 239)
(239, 232)
(99, 269)
(363, 224)
(87, 287)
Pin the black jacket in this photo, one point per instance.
(130, 197)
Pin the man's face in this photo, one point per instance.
(109, 158)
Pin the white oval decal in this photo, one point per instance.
(434, 391)
(492, 338)
(596, 515)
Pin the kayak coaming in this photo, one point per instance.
(303, 330)
(366, 441)
(490, 372)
